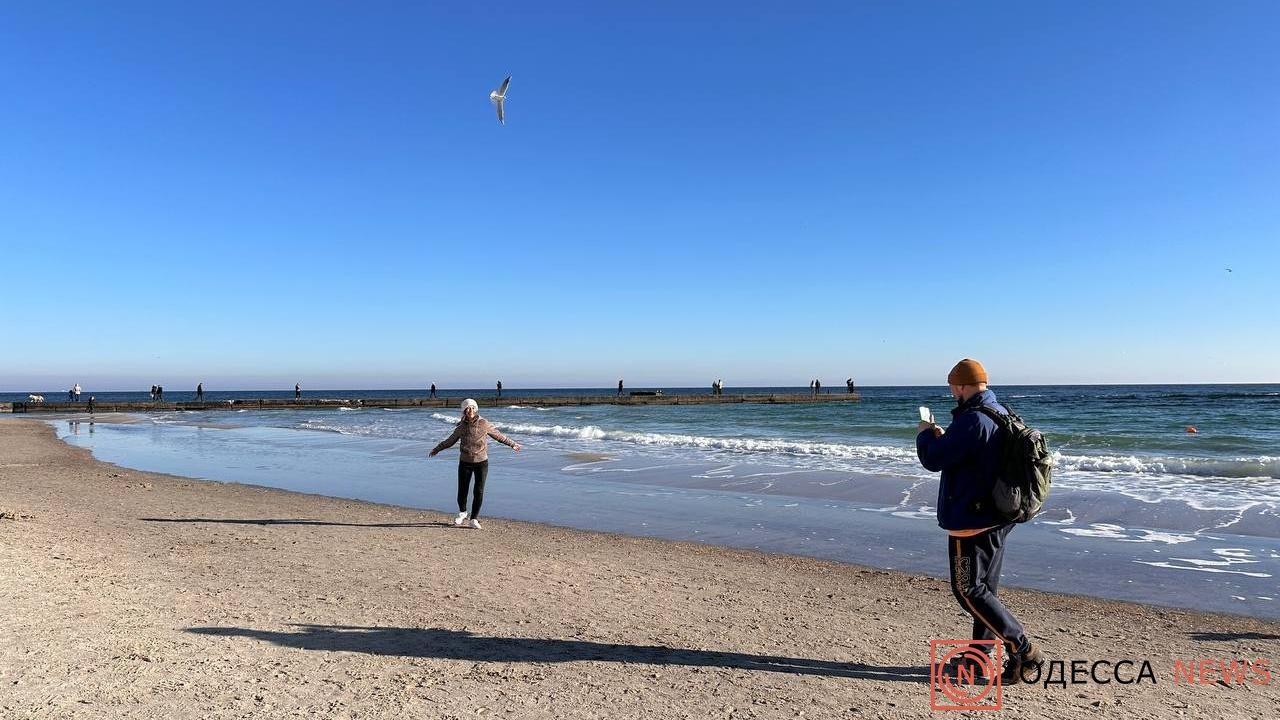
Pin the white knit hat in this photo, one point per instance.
(469, 403)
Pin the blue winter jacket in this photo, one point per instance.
(968, 454)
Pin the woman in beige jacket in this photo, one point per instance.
(474, 432)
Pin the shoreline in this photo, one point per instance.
(1097, 544)
(190, 598)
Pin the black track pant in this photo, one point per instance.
(975, 579)
(466, 470)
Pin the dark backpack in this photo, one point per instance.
(1025, 468)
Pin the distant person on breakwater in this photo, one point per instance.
(90, 404)
(619, 388)
(71, 394)
(77, 391)
(474, 432)
(848, 384)
(199, 392)
(968, 453)
(297, 391)
(153, 393)
(433, 389)
(499, 388)
(160, 393)
(810, 387)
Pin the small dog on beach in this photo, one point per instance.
(35, 398)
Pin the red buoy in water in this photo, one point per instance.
(1192, 429)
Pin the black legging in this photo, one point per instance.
(465, 470)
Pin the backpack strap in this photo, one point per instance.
(1002, 420)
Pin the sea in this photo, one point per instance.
(1142, 508)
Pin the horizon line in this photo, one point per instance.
(612, 388)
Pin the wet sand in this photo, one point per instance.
(136, 595)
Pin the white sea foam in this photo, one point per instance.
(1172, 565)
(921, 512)
(1098, 530)
(1264, 466)
(733, 444)
(1116, 532)
(1070, 519)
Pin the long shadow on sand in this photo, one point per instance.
(287, 521)
(461, 645)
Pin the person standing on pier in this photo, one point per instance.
(90, 404)
(848, 384)
(199, 392)
(473, 463)
(499, 388)
(619, 388)
(433, 389)
(297, 391)
(76, 389)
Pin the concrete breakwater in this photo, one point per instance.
(428, 402)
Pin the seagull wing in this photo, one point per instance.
(502, 89)
(501, 115)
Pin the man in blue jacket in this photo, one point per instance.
(968, 455)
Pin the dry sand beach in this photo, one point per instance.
(134, 595)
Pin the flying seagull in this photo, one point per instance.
(499, 96)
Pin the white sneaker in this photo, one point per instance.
(475, 523)
(460, 520)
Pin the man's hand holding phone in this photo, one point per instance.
(927, 423)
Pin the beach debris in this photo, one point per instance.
(498, 98)
(15, 515)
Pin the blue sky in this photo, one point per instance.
(251, 194)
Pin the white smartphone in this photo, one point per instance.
(926, 415)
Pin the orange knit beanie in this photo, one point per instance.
(967, 372)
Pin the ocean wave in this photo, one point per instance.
(902, 457)
(321, 426)
(799, 448)
(1262, 467)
